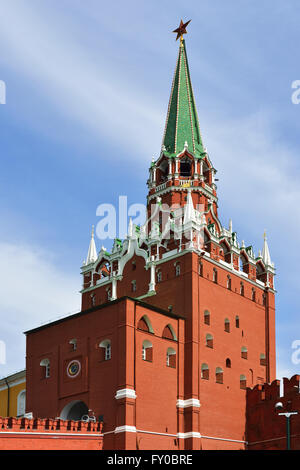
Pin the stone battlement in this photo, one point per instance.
(266, 426)
(55, 425)
(269, 392)
(51, 434)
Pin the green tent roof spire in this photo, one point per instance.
(182, 124)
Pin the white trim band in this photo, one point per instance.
(179, 435)
(188, 435)
(224, 439)
(188, 403)
(125, 393)
(125, 428)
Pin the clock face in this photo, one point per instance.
(73, 368)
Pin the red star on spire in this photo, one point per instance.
(181, 30)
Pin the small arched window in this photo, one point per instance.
(244, 353)
(169, 333)
(204, 372)
(228, 363)
(201, 269)
(177, 269)
(263, 361)
(46, 364)
(243, 263)
(215, 276)
(147, 351)
(108, 294)
(105, 348)
(209, 341)
(243, 382)
(171, 357)
(207, 317)
(133, 286)
(237, 321)
(242, 289)
(159, 276)
(228, 282)
(253, 294)
(93, 300)
(227, 325)
(219, 375)
(73, 343)
(145, 324)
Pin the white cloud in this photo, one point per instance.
(258, 184)
(91, 93)
(32, 291)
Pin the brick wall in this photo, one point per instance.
(49, 434)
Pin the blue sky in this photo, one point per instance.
(88, 85)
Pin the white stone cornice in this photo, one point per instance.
(191, 402)
(125, 428)
(188, 435)
(125, 393)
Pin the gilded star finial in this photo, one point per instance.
(181, 30)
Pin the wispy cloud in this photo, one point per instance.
(257, 181)
(32, 290)
(93, 94)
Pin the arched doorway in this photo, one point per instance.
(74, 410)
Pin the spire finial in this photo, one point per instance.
(266, 252)
(92, 253)
(181, 30)
(130, 228)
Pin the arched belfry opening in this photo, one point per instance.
(185, 167)
(163, 171)
(74, 410)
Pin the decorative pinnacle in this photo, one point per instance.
(181, 30)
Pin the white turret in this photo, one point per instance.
(92, 253)
(130, 228)
(266, 253)
(189, 211)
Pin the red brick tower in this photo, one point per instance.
(176, 321)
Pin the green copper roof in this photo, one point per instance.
(182, 123)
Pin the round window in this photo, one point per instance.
(73, 368)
